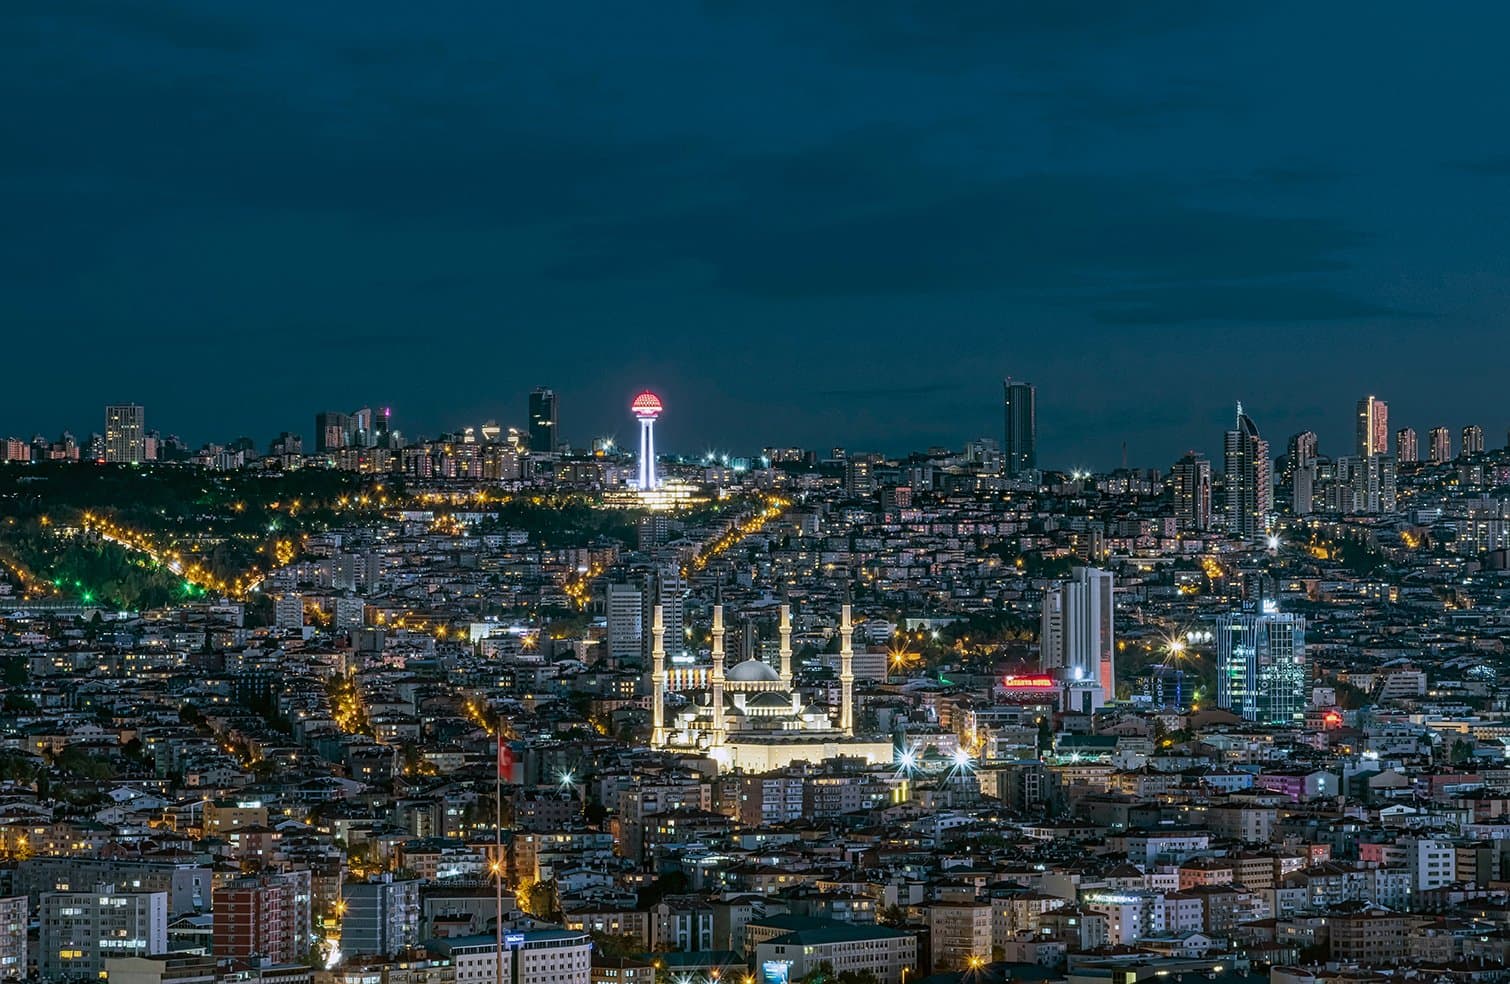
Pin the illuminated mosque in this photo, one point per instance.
(752, 719)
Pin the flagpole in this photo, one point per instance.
(498, 860)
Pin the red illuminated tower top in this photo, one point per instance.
(646, 406)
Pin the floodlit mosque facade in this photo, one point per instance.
(751, 719)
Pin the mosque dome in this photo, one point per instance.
(753, 671)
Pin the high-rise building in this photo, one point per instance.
(265, 916)
(1299, 472)
(331, 430)
(543, 433)
(1301, 451)
(1303, 489)
(1078, 634)
(671, 588)
(1473, 440)
(381, 917)
(1191, 478)
(125, 434)
(1261, 665)
(1407, 450)
(1250, 479)
(1363, 485)
(1440, 440)
(1373, 427)
(626, 625)
(859, 475)
(81, 930)
(362, 433)
(13, 923)
(1019, 450)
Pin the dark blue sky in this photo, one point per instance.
(807, 223)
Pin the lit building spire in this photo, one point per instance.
(846, 669)
(717, 696)
(785, 628)
(658, 673)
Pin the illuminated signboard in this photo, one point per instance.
(513, 941)
(1029, 683)
(775, 971)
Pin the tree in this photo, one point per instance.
(821, 974)
(540, 899)
(615, 945)
(1045, 735)
(1461, 752)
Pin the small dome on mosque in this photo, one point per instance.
(769, 700)
(753, 671)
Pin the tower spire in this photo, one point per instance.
(846, 666)
(717, 680)
(658, 672)
(785, 629)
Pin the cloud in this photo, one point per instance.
(922, 35)
(887, 392)
(1235, 303)
(869, 215)
(188, 27)
(1489, 167)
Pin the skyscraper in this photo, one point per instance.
(1261, 665)
(1250, 479)
(1440, 440)
(668, 589)
(1020, 447)
(1078, 634)
(1373, 427)
(331, 430)
(1407, 450)
(624, 603)
(1473, 440)
(1191, 478)
(1301, 451)
(361, 428)
(543, 433)
(125, 434)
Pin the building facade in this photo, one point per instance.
(1019, 449)
(1078, 636)
(1250, 479)
(380, 917)
(1261, 665)
(543, 421)
(125, 434)
(1373, 427)
(81, 930)
(1191, 479)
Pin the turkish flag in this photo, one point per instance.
(505, 760)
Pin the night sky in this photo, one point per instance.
(808, 223)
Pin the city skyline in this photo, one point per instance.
(1335, 444)
(865, 265)
(693, 493)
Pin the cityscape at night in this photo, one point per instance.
(884, 493)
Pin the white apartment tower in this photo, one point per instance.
(1078, 635)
